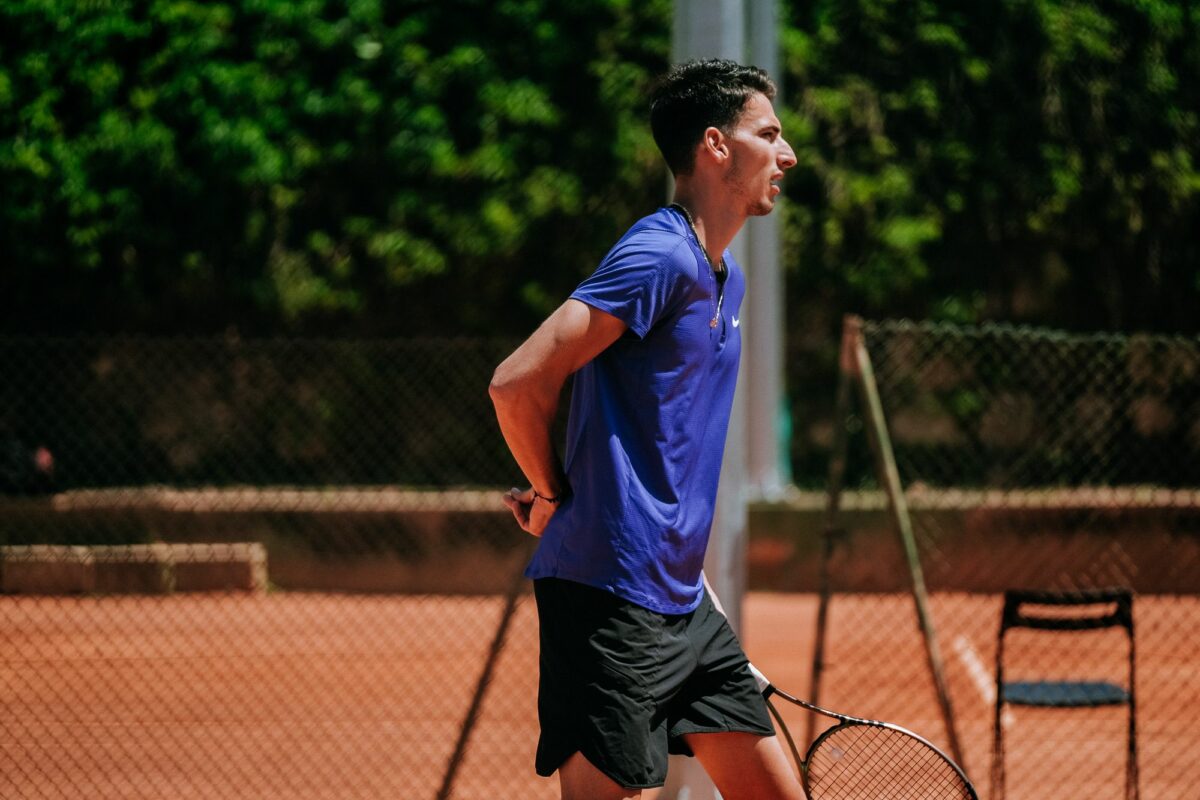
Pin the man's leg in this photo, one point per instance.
(746, 766)
(580, 780)
(594, 693)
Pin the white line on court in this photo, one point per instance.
(985, 682)
(981, 676)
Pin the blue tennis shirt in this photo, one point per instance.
(647, 422)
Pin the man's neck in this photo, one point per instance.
(715, 220)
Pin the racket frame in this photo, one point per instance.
(845, 721)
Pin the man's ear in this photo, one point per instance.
(715, 145)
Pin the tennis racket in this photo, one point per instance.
(861, 759)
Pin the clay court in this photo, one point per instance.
(298, 695)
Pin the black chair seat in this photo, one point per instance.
(1064, 694)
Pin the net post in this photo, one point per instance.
(851, 325)
(511, 598)
(889, 476)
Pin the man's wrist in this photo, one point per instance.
(551, 499)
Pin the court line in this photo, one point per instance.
(980, 675)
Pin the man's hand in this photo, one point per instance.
(532, 513)
(759, 678)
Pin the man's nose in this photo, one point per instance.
(787, 157)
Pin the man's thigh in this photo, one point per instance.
(596, 697)
(745, 766)
(720, 694)
(579, 779)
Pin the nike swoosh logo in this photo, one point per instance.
(736, 322)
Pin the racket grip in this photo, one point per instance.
(764, 685)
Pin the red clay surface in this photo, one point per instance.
(294, 695)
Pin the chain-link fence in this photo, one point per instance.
(276, 568)
(258, 569)
(1038, 461)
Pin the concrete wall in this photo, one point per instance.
(464, 543)
(985, 543)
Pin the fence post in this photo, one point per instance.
(889, 477)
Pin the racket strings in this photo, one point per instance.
(857, 762)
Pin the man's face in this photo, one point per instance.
(759, 155)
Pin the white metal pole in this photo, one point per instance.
(707, 29)
(767, 456)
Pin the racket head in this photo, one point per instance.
(861, 759)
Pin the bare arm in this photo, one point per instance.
(759, 678)
(525, 390)
(716, 601)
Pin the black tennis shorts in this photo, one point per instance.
(623, 684)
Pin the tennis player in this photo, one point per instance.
(636, 659)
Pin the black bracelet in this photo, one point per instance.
(551, 500)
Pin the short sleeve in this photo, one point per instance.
(643, 279)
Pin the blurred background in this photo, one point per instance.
(259, 258)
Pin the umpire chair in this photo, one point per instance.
(1116, 611)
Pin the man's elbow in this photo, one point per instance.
(503, 386)
(512, 389)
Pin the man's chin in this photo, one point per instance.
(762, 209)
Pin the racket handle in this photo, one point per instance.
(764, 685)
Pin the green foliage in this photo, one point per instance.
(1032, 161)
(316, 165)
(362, 167)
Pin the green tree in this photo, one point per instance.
(400, 168)
(317, 166)
(1032, 161)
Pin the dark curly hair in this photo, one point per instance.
(696, 95)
